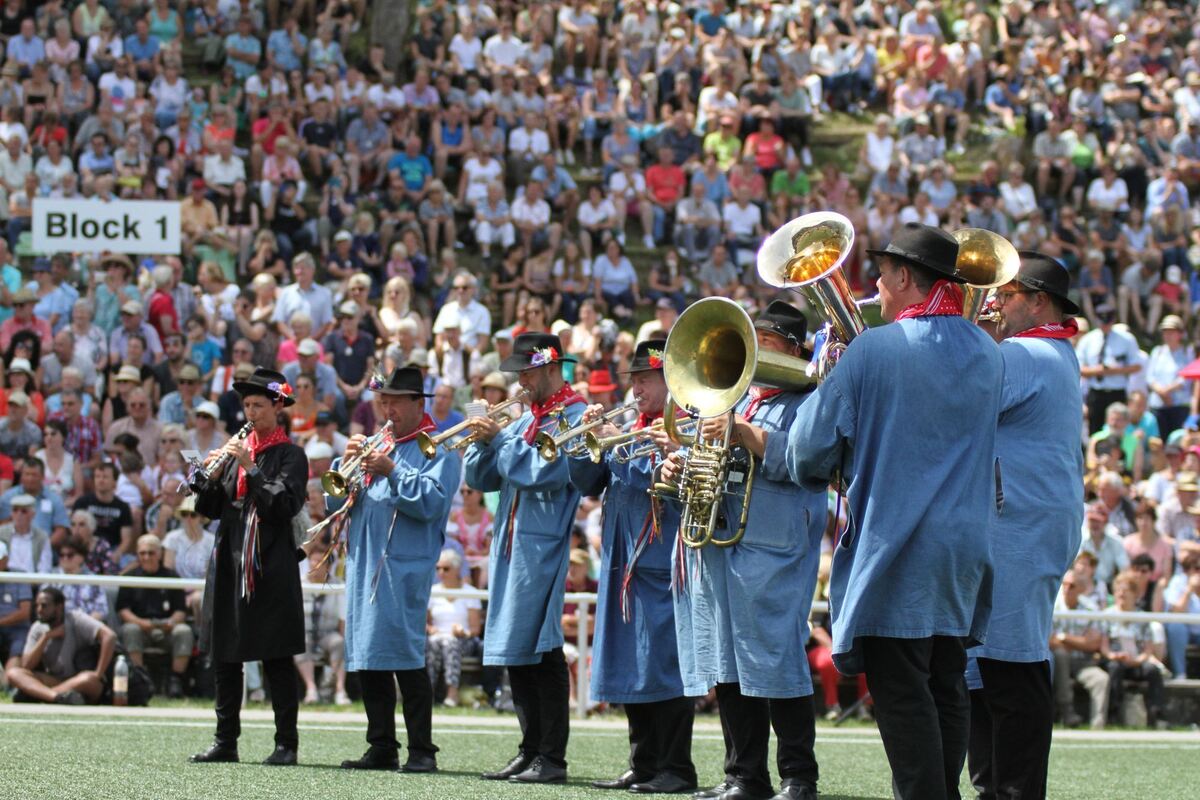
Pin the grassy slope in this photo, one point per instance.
(146, 759)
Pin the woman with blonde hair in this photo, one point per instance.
(266, 256)
(397, 306)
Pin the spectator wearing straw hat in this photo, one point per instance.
(23, 319)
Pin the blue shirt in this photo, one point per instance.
(28, 51)
(414, 169)
(243, 44)
(279, 46)
(452, 419)
(12, 280)
(50, 514)
(908, 417)
(141, 51)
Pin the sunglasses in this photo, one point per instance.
(186, 514)
(65, 556)
(440, 568)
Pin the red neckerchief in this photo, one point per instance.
(566, 396)
(646, 420)
(758, 394)
(427, 425)
(945, 299)
(1051, 330)
(256, 446)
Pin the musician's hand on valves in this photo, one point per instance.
(593, 412)
(378, 464)
(606, 430)
(484, 428)
(353, 446)
(672, 468)
(713, 427)
(662, 441)
(241, 453)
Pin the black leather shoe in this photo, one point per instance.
(627, 779)
(281, 756)
(664, 783)
(738, 793)
(216, 753)
(374, 758)
(420, 764)
(797, 791)
(716, 791)
(541, 771)
(514, 767)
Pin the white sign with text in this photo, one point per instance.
(120, 226)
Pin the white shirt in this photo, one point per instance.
(523, 141)
(1019, 201)
(119, 100)
(20, 554)
(593, 214)
(386, 99)
(741, 221)
(1114, 198)
(621, 185)
(880, 151)
(503, 52)
(1119, 349)
(528, 213)
(479, 175)
(475, 320)
(467, 50)
(910, 214)
(446, 612)
(219, 172)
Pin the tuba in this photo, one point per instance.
(711, 358)
(807, 255)
(985, 261)
(348, 476)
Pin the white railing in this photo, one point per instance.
(583, 600)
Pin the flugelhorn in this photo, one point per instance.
(430, 444)
(349, 474)
(549, 444)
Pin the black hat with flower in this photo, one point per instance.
(268, 383)
(533, 350)
(648, 356)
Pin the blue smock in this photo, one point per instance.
(393, 540)
(634, 661)
(909, 417)
(742, 614)
(525, 586)
(1036, 535)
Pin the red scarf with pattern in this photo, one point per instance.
(1051, 330)
(566, 396)
(945, 299)
(758, 395)
(257, 445)
(646, 420)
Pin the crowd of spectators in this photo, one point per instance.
(583, 168)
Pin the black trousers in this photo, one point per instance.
(540, 693)
(746, 724)
(1098, 401)
(660, 737)
(922, 709)
(280, 674)
(379, 700)
(1012, 719)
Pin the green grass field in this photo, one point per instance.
(57, 752)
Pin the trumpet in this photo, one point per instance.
(549, 445)
(349, 475)
(203, 472)
(430, 444)
(629, 444)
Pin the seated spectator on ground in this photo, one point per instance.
(155, 617)
(66, 656)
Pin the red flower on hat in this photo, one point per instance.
(282, 389)
(655, 358)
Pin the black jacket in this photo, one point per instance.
(270, 624)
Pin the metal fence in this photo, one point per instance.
(583, 600)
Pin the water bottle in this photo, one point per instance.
(121, 682)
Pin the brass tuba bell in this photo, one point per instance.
(985, 261)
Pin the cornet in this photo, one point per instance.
(629, 444)
(349, 474)
(549, 445)
(430, 444)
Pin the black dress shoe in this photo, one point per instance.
(627, 779)
(738, 793)
(664, 783)
(514, 767)
(420, 764)
(716, 791)
(281, 756)
(216, 753)
(797, 791)
(541, 771)
(375, 758)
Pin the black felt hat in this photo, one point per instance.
(403, 380)
(531, 350)
(1042, 273)
(648, 356)
(925, 246)
(267, 382)
(783, 319)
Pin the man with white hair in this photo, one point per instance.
(28, 546)
(62, 357)
(305, 295)
(474, 318)
(17, 434)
